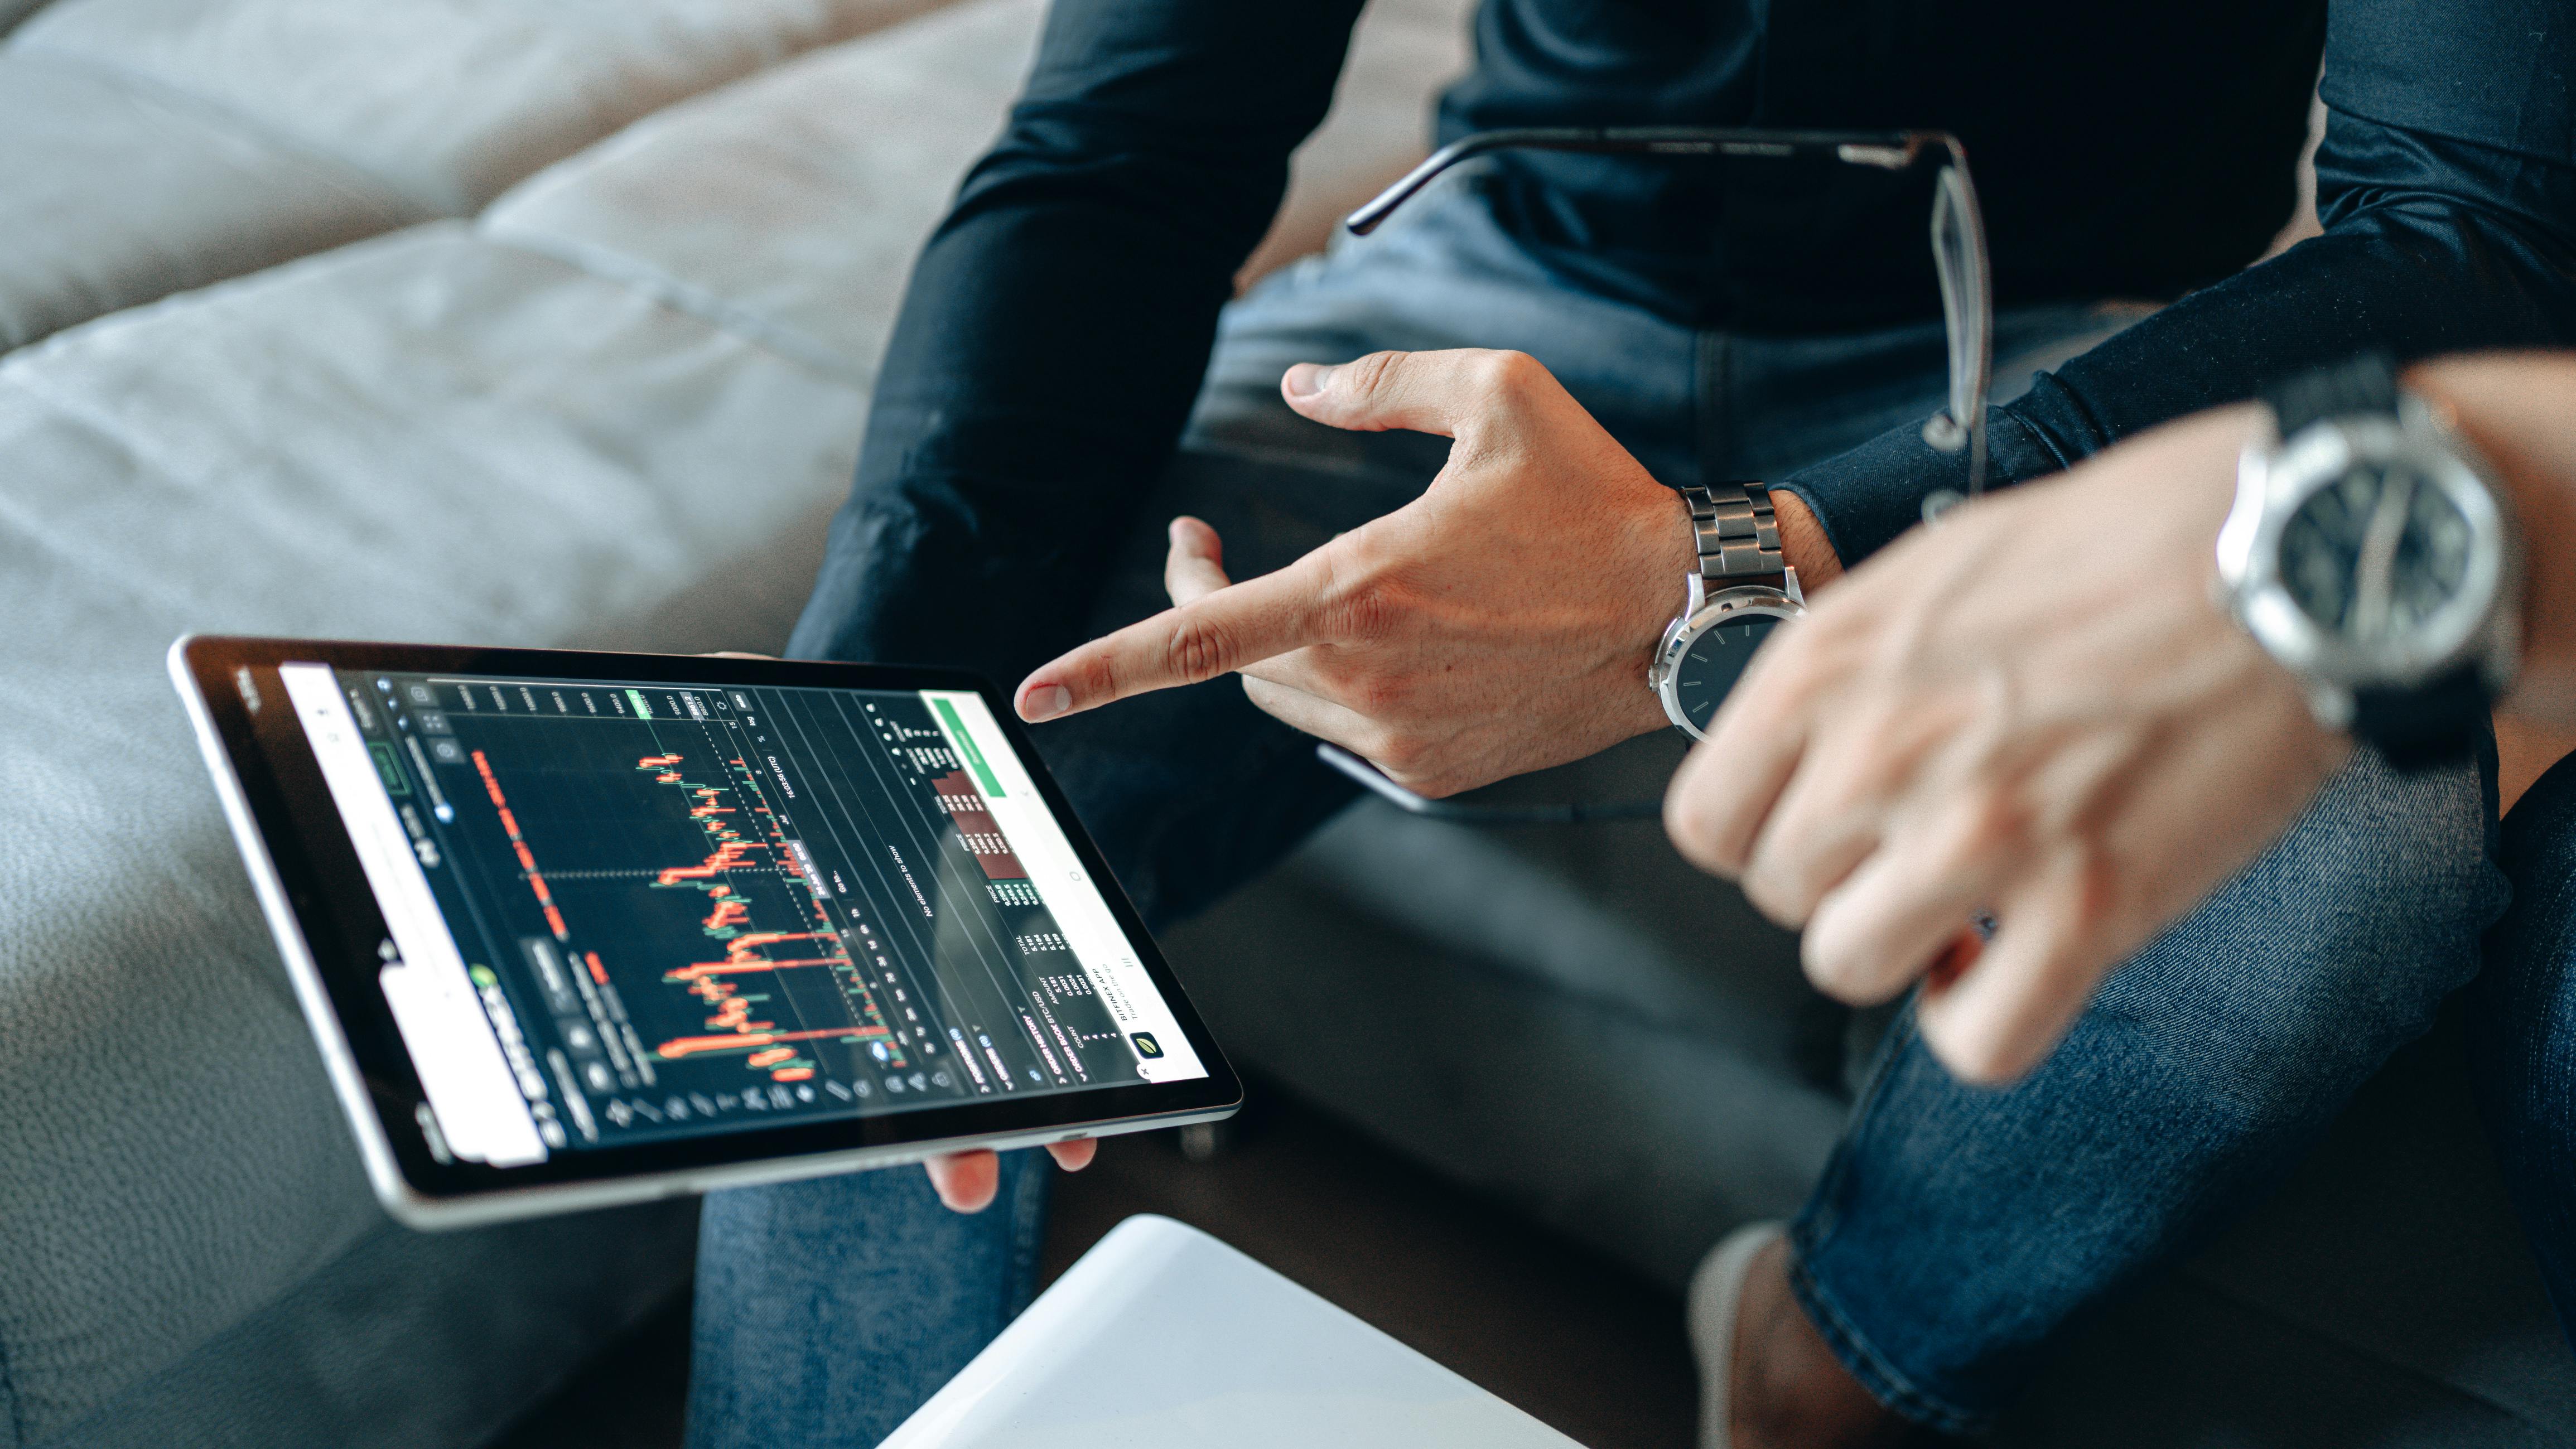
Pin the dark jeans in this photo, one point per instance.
(2524, 1020)
(1957, 1228)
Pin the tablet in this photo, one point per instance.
(574, 929)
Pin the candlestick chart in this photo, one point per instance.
(706, 905)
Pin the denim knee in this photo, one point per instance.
(1959, 1229)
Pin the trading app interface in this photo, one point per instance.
(619, 913)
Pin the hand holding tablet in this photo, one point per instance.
(575, 929)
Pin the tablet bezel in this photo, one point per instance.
(327, 924)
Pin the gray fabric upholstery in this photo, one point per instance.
(14, 12)
(157, 145)
(446, 101)
(850, 156)
(515, 1304)
(344, 446)
(616, 412)
(111, 195)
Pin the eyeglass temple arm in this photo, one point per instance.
(1887, 150)
(1967, 307)
(1965, 276)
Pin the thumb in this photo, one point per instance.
(1424, 392)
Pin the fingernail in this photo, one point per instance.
(1308, 378)
(1045, 702)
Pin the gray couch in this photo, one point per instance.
(550, 322)
(555, 322)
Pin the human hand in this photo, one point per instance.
(1501, 623)
(2033, 710)
(966, 1181)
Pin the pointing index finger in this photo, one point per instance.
(1217, 633)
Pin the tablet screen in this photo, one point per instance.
(618, 912)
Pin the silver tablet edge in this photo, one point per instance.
(412, 1208)
(506, 1204)
(374, 1148)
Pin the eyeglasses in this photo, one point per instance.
(1967, 319)
(1958, 234)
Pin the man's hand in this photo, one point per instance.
(2033, 710)
(966, 1181)
(1500, 623)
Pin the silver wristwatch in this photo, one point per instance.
(2371, 553)
(1742, 589)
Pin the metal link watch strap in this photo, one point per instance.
(1739, 543)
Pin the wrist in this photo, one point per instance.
(2511, 409)
(1803, 542)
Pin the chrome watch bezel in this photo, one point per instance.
(1702, 613)
(2277, 477)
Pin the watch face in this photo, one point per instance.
(2376, 554)
(1715, 660)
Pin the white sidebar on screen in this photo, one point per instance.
(1066, 887)
(470, 1086)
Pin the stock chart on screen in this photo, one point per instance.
(680, 910)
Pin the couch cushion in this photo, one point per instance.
(448, 101)
(411, 1340)
(656, 206)
(855, 151)
(110, 195)
(162, 144)
(422, 436)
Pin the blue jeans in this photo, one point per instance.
(828, 1311)
(1956, 1229)
(2523, 1020)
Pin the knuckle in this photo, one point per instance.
(1198, 648)
(1405, 755)
(1693, 829)
(1508, 373)
(1995, 825)
(1367, 375)
(1763, 889)
(1102, 676)
(1378, 694)
(1369, 614)
(1980, 1058)
(1835, 978)
(1361, 603)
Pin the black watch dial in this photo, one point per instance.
(1715, 660)
(2375, 554)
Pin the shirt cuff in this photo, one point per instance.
(1866, 497)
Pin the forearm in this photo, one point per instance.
(2411, 281)
(2447, 186)
(1058, 322)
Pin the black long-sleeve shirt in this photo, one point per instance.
(1061, 317)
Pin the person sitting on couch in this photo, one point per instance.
(1490, 605)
